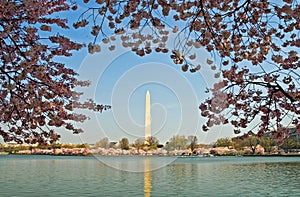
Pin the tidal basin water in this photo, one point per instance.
(34, 175)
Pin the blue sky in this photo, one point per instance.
(121, 78)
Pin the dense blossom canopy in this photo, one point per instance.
(36, 92)
(254, 47)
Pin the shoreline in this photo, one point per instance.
(179, 156)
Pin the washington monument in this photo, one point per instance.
(147, 116)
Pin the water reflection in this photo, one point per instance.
(215, 176)
(147, 177)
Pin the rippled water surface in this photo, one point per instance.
(149, 176)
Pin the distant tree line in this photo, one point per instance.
(176, 142)
(14, 148)
(181, 142)
(252, 141)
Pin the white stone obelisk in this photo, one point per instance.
(147, 116)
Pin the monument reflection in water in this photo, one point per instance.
(147, 177)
